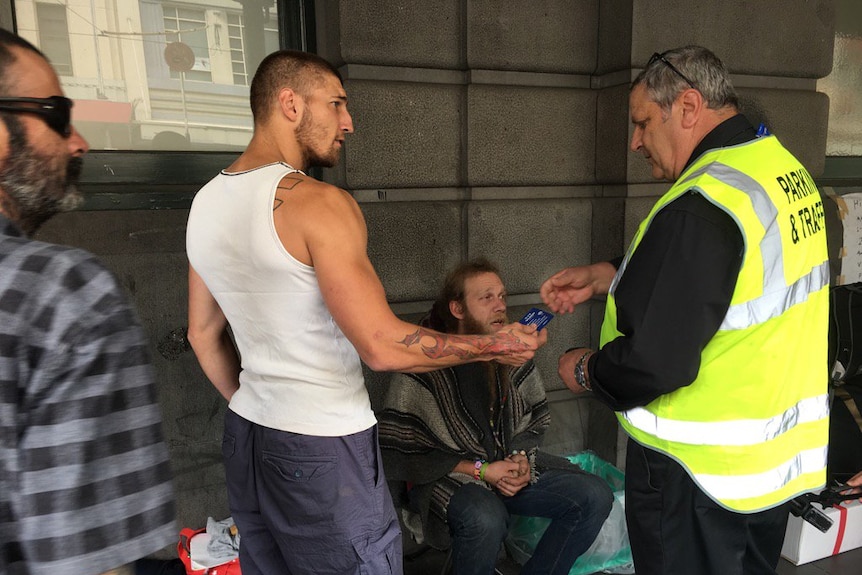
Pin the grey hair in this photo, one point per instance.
(697, 64)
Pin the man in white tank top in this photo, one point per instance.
(282, 259)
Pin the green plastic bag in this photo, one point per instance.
(609, 553)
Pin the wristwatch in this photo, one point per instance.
(580, 371)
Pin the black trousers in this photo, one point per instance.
(676, 529)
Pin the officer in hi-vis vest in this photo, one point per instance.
(714, 341)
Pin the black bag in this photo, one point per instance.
(845, 332)
(845, 432)
(845, 370)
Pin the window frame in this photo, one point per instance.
(150, 179)
(841, 171)
(181, 22)
(41, 6)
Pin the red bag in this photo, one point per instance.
(185, 554)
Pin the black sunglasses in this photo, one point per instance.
(666, 62)
(56, 111)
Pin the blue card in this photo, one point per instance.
(537, 316)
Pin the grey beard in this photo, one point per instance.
(36, 188)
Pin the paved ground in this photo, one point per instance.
(848, 563)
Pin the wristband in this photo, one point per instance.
(485, 465)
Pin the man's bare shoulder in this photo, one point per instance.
(309, 214)
(300, 189)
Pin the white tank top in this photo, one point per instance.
(299, 372)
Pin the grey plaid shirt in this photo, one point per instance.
(85, 480)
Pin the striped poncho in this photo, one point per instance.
(431, 421)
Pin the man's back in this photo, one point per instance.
(295, 358)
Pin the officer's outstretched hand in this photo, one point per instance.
(569, 287)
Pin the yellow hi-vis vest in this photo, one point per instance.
(752, 428)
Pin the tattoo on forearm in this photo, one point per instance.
(442, 348)
(464, 347)
(412, 338)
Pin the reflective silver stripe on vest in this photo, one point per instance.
(758, 484)
(771, 305)
(613, 288)
(763, 207)
(725, 433)
(770, 244)
(777, 296)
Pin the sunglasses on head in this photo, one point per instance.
(660, 58)
(56, 111)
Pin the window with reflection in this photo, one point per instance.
(54, 35)
(155, 74)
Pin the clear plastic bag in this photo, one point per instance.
(609, 553)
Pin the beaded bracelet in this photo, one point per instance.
(477, 471)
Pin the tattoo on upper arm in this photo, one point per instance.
(287, 183)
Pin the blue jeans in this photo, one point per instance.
(577, 505)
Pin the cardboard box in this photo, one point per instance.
(804, 543)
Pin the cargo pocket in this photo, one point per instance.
(379, 553)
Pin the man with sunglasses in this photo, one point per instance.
(85, 480)
(713, 346)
